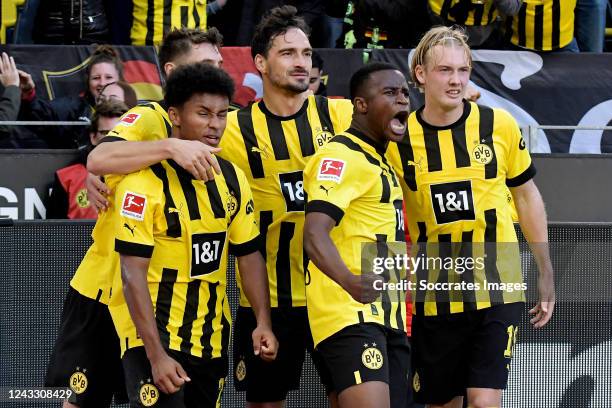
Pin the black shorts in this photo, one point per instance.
(369, 352)
(462, 350)
(86, 356)
(271, 381)
(203, 391)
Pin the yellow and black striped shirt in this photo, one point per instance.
(152, 19)
(187, 228)
(481, 13)
(351, 180)
(455, 182)
(273, 151)
(542, 25)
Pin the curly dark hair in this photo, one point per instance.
(179, 41)
(277, 22)
(190, 79)
(105, 53)
(362, 75)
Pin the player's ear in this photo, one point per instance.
(174, 116)
(260, 63)
(168, 68)
(360, 104)
(419, 72)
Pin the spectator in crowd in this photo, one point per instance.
(317, 86)
(71, 22)
(9, 97)
(104, 67)
(68, 197)
(590, 24)
(119, 91)
(481, 19)
(384, 24)
(136, 22)
(545, 25)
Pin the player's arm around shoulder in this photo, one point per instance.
(141, 139)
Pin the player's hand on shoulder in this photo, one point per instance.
(265, 344)
(168, 375)
(97, 192)
(197, 158)
(361, 287)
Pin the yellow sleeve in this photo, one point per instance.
(138, 196)
(141, 123)
(243, 230)
(332, 181)
(341, 111)
(230, 148)
(520, 167)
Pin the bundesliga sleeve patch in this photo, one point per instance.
(130, 119)
(133, 206)
(331, 170)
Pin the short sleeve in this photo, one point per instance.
(520, 167)
(138, 206)
(331, 181)
(243, 231)
(341, 113)
(141, 123)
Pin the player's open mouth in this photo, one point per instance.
(398, 123)
(211, 139)
(454, 92)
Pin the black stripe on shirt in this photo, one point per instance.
(322, 105)
(265, 219)
(150, 22)
(466, 252)
(207, 329)
(462, 156)
(478, 13)
(196, 15)
(407, 155)
(184, 16)
(231, 180)
(216, 204)
(432, 148)
(421, 273)
(486, 137)
(245, 122)
(304, 131)
(443, 296)
(522, 19)
(167, 16)
(491, 271)
(277, 138)
(189, 315)
(189, 191)
(556, 24)
(382, 252)
(164, 303)
(538, 27)
(133, 249)
(283, 264)
(172, 218)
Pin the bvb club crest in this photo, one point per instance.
(372, 358)
(323, 136)
(81, 198)
(482, 154)
(78, 381)
(148, 394)
(416, 382)
(241, 371)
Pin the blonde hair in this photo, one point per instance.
(439, 35)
